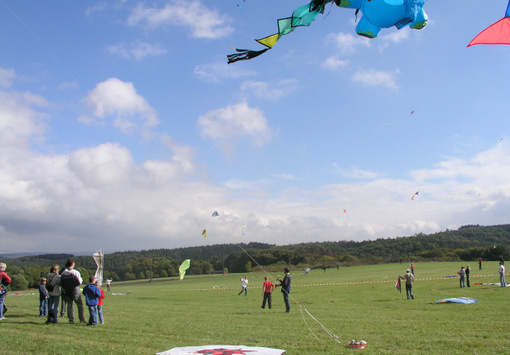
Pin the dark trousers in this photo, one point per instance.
(286, 301)
(267, 297)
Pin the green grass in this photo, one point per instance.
(353, 303)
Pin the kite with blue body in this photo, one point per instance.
(377, 14)
(497, 33)
(463, 300)
(215, 214)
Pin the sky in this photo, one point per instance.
(123, 127)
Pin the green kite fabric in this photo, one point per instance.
(184, 266)
(302, 16)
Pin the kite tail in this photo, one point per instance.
(244, 54)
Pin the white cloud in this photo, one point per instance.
(137, 50)
(356, 173)
(7, 76)
(396, 36)
(374, 77)
(214, 72)
(193, 14)
(270, 90)
(118, 99)
(334, 63)
(19, 120)
(347, 42)
(228, 125)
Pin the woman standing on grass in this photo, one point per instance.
(5, 280)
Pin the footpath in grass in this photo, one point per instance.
(353, 303)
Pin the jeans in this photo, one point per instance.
(286, 300)
(462, 282)
(409, 290)
(2, 297)
(267, 297)
(69, 299)
(53, 307)
(43, 307)
(502, 279)
(100, 314)
(93, 315)
(245, 290)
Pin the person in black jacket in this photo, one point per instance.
(285, 285)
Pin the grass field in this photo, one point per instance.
(353, 303)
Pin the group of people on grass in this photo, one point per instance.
(268, 288)
(62, 286)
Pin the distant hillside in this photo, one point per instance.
(466, 243)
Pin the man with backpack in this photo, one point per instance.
(70, 281)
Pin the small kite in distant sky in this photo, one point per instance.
(215, 214)
(415, 194)
(240, 6)
(345, 211)
(497, 33)
(204, 233)
(243, 230)
(182, 269)
(385, 125)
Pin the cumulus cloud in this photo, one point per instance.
(136, 50)
(347, 42)
(372, 77)
(202, 21)
(228, 125)
(270, 90)
(6, 77)
(214, 72)
(334, 63)
(119, 100)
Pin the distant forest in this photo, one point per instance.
(467, 243)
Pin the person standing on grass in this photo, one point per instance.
(285, 285)
(70, 280)
(267, 291)
(412, 269)
(5, 280)
(43, 299)
(462, 275)
(480, 264)
(468, 270)
(502, 274)
(92, 295)
(244, 286)
(409, 283)
(53, 287)
(100, 304)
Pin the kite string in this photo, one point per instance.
(331, 334)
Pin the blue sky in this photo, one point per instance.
(123, 128)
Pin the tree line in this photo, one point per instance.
(467, 243)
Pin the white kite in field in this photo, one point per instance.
(99, 259)
(222, 350)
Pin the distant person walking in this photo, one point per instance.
(70, 281)
(468, 270)
(412, 269)
(43, 299)
(108, 284)
(244, 286)
(502, 274)
(267, 291)
(285, 285)
(409, 278)
(5, 280)
(480, 264)
(462, 277)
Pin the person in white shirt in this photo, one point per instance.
(502, 274)
(70, 281)
(244, 285)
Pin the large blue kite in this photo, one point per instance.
(377, 14)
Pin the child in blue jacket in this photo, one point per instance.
(92, 294)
